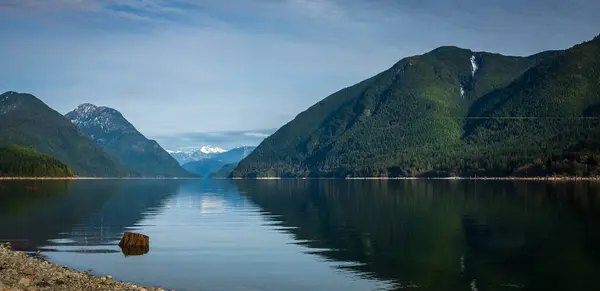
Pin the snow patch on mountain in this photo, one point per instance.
(89, 116)
(474, 66)
(462, 91)
(6, 105)
(7, 108)
(82, 113)
(474, 285)
(85, 108)
(195, 154)
(211, 150)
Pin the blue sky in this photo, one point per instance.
(183, 67)
(225, 139)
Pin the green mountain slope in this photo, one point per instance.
(27, 121)
(16, 161)
(109, 129)
(401, 122)
(546, 122)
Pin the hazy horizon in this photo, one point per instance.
(223, 139)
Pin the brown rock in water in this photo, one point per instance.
(132, 239)
(134, 251)
(134, 244)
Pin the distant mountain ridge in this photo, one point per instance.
(234, 155)
(211, 150)
(109, 129)
(206, 167)
(27, 121)
(449, 112)
(191, 155)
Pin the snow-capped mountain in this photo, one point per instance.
(109, 129)
(211, 150)
(99, 121)
(206, 167)
(27, 121)
(8, 104)
(196, 154)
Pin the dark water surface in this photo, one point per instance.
(316, 234)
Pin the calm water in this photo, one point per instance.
(316, 234)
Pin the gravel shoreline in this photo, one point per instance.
(21, 272)
(100, 178)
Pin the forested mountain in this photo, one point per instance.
(546, 122)
(27, 121)
(449, 112)
(16, 161)
(109, 129)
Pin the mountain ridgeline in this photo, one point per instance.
(26, 121)
(220, 163)
(206, 152)
(110, 130)
(449, 112)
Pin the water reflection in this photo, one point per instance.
(134, 251)
(76, 213)
(446, 235)
(205, 235)
(315, 234)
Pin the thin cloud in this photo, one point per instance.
(224, 139)
(138, 10)
(256, 134)
(41, 6)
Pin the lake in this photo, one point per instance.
(315, 234)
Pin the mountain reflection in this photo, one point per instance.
(209, 196)
(445, 235)
(76, 213)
